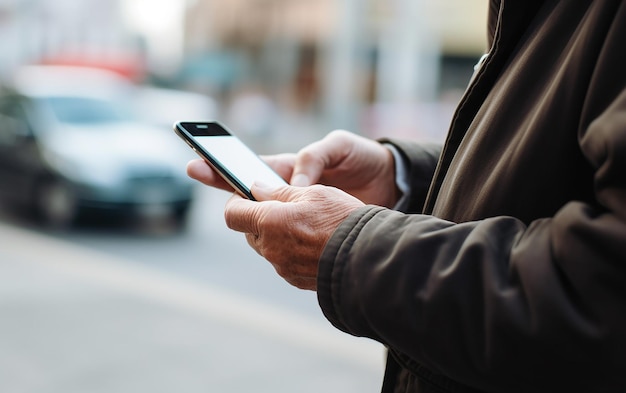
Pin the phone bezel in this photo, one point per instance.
(181, 129)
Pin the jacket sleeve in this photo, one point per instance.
(420, 160)
(495, 304)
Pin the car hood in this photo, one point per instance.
(118, 148)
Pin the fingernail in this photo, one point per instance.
(262, 191)
(300, 180)
(263, 186)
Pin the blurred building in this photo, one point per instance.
(334, 56)
(343, 61)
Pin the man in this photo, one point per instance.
(505, 271)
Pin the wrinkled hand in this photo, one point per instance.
(357, 165)
(290, 226)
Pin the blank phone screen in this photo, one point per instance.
(242, 162)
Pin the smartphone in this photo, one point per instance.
(228, 156)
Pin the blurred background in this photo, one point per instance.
(117, 273)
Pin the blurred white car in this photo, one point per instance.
(69, 143)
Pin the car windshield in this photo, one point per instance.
(86, 110)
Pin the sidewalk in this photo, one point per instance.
(73, 320)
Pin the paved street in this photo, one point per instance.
(147, 310)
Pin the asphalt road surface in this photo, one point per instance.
(147, 309)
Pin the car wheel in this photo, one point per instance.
(56, 204)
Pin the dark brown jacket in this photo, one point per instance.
(515, 278)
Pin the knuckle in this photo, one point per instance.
(339, 133)
(340, 136)
(308, 155)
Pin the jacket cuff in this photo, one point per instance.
(332, 263)
(421, 160)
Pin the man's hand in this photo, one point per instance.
(357, 165)
(290, 226)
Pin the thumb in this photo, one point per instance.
(300, 180)
(263, 192)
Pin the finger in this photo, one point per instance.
(241, 214)
(199, 170)
(312, 160)
(263, 192)
(309, 165)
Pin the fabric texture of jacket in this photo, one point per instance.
(507, 273)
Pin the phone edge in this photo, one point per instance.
(232, 180)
